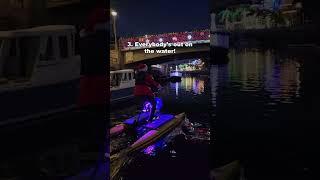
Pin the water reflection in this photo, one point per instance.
(257, 71)
(214, 84)
(252, 91)
(177, 89)
(191, 84)
(264, 103)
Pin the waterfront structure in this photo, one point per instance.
(219, 42)
(261, 15)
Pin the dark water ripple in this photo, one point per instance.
(264, 105)
(262, 109)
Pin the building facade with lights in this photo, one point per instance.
(262, 14)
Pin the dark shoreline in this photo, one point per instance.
(276, 37)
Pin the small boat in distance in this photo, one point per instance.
(175, 76)
(122, 83)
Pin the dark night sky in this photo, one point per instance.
(140, 17)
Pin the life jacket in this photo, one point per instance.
(145, 85)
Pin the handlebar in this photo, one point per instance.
(158, 91)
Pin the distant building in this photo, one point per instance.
(268, 4)
(276, 5)
(16, 14)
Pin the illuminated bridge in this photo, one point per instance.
(186, 44)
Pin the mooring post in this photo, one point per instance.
(219, 42)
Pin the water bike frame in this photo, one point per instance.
(147, 106)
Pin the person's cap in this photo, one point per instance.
(142, 67)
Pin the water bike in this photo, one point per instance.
(141, 118)
(153, 131)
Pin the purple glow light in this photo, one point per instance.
(150, 150)
(147, 107)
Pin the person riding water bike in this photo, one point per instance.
(143, 90)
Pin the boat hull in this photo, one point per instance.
(34, 102)
(121, 94)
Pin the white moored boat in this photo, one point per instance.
(39, 72)
(122, 83)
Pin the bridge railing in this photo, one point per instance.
(194, 37)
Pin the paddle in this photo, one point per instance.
(118, 160)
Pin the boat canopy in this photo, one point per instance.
(122, 71)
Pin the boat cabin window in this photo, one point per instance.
(72, 44)
(115, 79)
(130, 76)
(1, 43)
(124, 77)
(13, 48)
(29, 48)
(48, 54)
(1, 57)
(63, 45)
(20, 59)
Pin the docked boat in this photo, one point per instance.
(39, 72)
(175, 76)
(122, 83)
